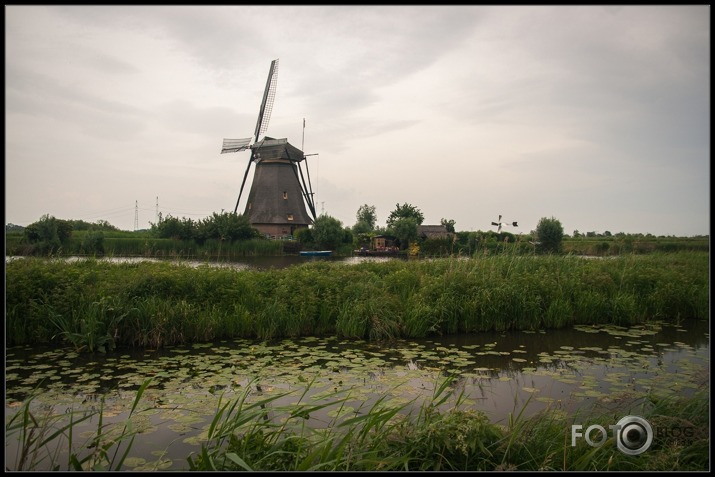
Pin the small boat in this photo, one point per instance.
(316, 253)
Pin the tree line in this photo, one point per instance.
(49, 235)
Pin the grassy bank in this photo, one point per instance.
(256, 434)
(97, 305)
(142, 244)
(610, 246)
(459, 439)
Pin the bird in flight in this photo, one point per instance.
(501, 224)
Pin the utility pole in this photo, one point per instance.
(157, 209)
(136, 215)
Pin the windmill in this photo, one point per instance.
(279, 193)
(500, 224)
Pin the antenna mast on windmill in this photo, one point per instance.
(277, 200)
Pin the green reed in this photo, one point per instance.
(441, 434)
(93, 325)
(253, 432)
(96, 304)
(130, 245)
(43, 434)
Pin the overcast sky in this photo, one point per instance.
(598, 116)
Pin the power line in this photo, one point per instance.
(174, 211)
(105, 212)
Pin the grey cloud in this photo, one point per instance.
(545, 110)
(42, 95)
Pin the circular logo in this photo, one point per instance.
(634, 435)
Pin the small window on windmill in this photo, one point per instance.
(290, 216)
(285, 195)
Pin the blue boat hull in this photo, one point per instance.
(316, 253)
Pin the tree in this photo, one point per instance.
(405, 211)
(225, 226)
(363, 239)
(405, 230)
(550, 233)
(93, 242)
(448, 224)
(48, 234)
(175, 228)
(366, 219)
(99, 225)
(328, 232)
(304, 236)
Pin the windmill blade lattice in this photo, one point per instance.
(264, 116)
(269, 97)
(235, 145)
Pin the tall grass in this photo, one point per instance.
(92, 304)
(189, 249)
(44, 436)
(612, 246)
(441, 434)
(134, 244)
(252, 432)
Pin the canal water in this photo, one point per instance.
(244, 263)
(571, 370)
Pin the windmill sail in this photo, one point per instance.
(501, 224)
(278, 195)
(235, 145)
(264, 115)
(269, 96)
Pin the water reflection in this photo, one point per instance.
(245, 263)
(497, 373)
